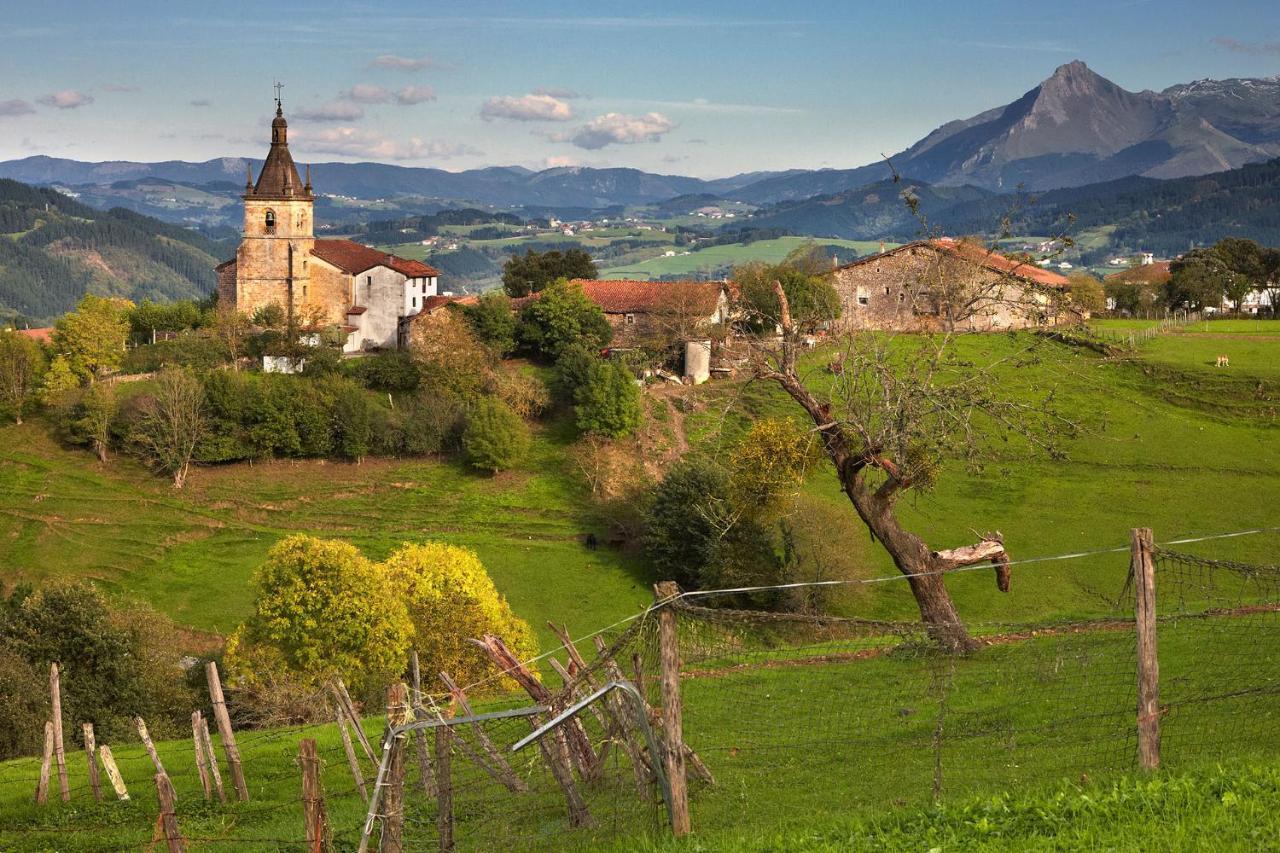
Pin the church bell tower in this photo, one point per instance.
(272, 263)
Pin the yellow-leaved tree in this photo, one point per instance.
(322, 609)
(450, 599)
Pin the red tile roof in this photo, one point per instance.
(625, 296)
(981, 256)
(40, 336)
(431, 303)
(1157, 273)
(354, 258)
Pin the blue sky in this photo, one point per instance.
(706, 88)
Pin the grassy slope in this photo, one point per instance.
(192, 553)
(712, 257)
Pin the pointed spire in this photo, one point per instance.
(307, 187)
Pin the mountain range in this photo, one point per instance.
(1074, 128)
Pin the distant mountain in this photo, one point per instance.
(53, 250)
(1077, 128)
(1162, 216)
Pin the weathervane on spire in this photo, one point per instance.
(278, 87)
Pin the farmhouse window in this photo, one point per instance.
(863, 300)
(629, 319)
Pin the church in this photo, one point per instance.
(371, 295)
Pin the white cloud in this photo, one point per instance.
(356, 142)
(561, 162)
(410, 95)
(621, 129)
(362, 93)
(332, 111)
(404, 63)
(16, 107)
(201, 102)
(534, 107)
(68, 99)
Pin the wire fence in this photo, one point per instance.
(785, 716)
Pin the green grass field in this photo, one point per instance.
(714, 257)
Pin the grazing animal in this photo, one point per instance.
(1224, 361)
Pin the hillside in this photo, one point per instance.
(53, 250)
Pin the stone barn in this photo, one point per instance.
(948, 285)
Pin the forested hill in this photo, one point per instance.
(53, 250)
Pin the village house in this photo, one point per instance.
(946, 284)
(370, 295)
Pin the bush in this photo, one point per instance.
(608, 403)
(352, 418)
(433, 421)
(746, 554)
(573, 370)
(450, 599)
(448, 352)
(681, 537)
(391, 372)
(493, 322)
(495, 438)
(321, 609)
(189, 350)
(22, 704)
(522, 391)
(560, 317)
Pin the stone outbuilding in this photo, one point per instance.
(945, 284)
(643, 311)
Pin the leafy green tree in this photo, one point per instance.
(58, 382)
(534, 271)
(811, 298)
(561, 316)
(608, 402)
(1086, 292)
(352, 420)
(92, 338)
(95, 415)
(686, 519)
(322, 609)
(495, 438)
(269, 316)
(493, 322)
(451, 599)
(149, 317)
(22, 366)
(1199, 279)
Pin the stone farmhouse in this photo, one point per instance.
(945, 284)
(640, 311)
(370, 295)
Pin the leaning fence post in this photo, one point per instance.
(425, 775)
(42, 787)
(313, 797)
(352, 762)
(151, 747)
(669, 654)
(91, 753)
(393, 798)
(1143, 569)
(113, 772)
(224, 729)
(199, 747)
(59, 752)
(168, 822)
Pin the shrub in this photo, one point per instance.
(493, 322)
(448, 352)
(433, 421)
(746, 554)
(495, 437)
(321, 609)
(188, 350)
(573, 370)
(22, 704)
(392, 372)
(352, 419)
(608, 403)
(450, 599)
(682, 530)
(92, 338)
(560, 317)
(522, 391)
(769, 465)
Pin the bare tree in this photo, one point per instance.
(21, 365)
(172, 423)
(899, 406)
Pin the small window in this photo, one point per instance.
(886, 290)
(863, 300)
(271, 220)
(629, 319)
(902, 297)
(415, 302)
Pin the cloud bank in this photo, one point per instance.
(533, 107)
(621, 129)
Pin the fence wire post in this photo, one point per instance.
(1143, 570)
(669, 655)
(220, 714)
(313, 797)
(393, 796)
(167, 823)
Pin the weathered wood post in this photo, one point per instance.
(393, 795)
(444, 788)
(198, 743)
(349, 749)
(91, 753)
(1143, 569)
(344, 698)
(42, 786)
(224, 729)
(113, 772)
(59, 751)
(168, 821)
(151, 747)
(425, 776)
(313, 797)
(669, 653)
(211, 757)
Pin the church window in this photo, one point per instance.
(271, 220)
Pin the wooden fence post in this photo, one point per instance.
(113, 772)
(425, 777)
(349, 749)
(224, 729)
(393, 798)
(211, 757)
(669, 652)
(313, 797)
(168, 822)
(199, 747)
(91, 753)
(59, 752)
(444, 788)
(151, 747)
(344, 698)
(1143, 569)
(42, 786)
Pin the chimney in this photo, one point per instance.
(882, 247)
